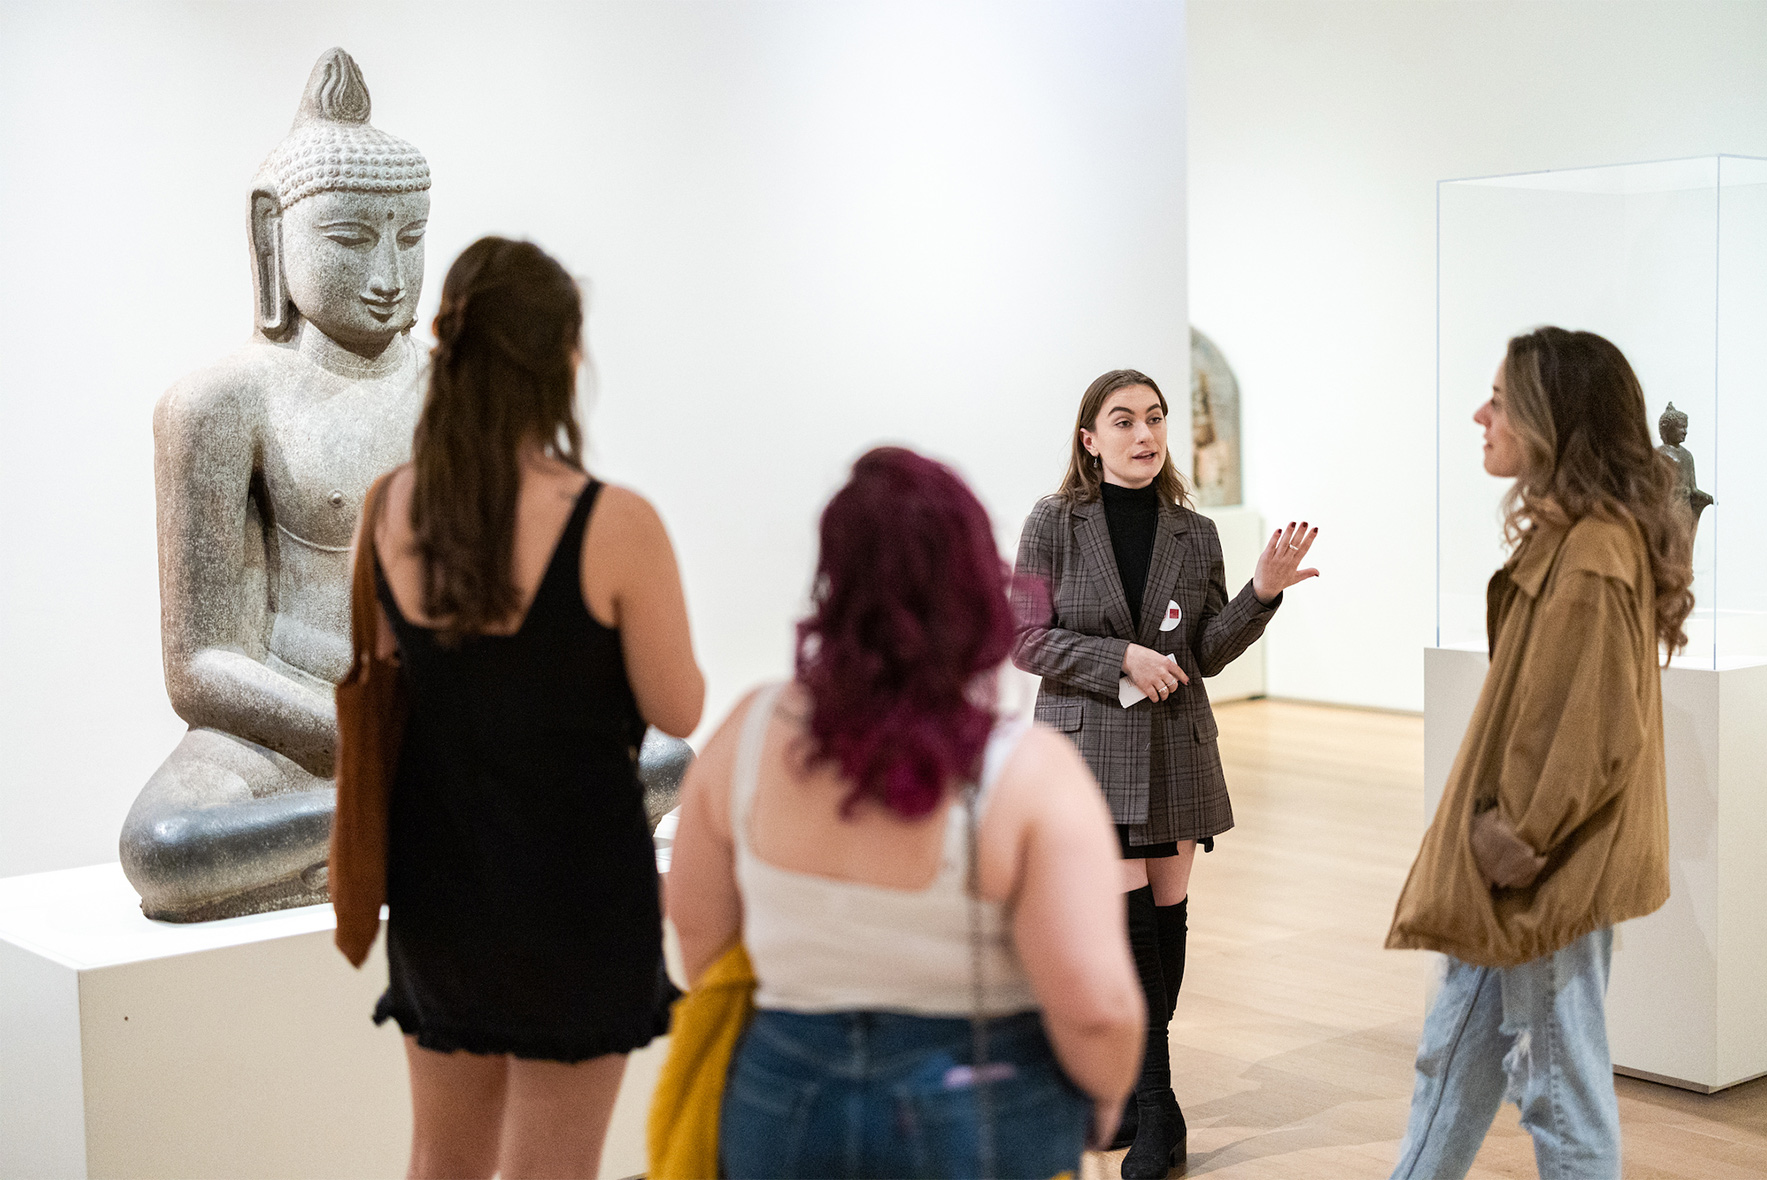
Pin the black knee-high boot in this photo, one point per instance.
(1173, 924)
(1144, 946)
(1160, 1134)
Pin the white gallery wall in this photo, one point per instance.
(805, 227)
(1318, 132)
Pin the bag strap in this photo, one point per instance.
(364, 605)
(978, 1015)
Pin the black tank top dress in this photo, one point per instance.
(524, 914)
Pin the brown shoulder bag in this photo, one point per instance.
(370, 725)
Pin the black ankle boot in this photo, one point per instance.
(1160, 1137)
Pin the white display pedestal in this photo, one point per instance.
(1242, 539)
(235, 1048)
(1687, 1001)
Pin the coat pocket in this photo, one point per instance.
(1202, 727)
(1059, 714)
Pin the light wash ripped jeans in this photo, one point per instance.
(1535, 1035)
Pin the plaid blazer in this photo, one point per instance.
(1156, 761)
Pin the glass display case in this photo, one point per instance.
(1669, 261)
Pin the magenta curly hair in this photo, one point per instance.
(909, 609)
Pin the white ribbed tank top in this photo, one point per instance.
(824, 945)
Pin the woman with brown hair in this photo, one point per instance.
(1123, 611)
(539, 619)
(1554, 825)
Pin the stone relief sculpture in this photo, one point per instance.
(1672, 429)
(261, 462)
(1214, 424)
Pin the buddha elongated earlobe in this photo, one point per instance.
(269, 288)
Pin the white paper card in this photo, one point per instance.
(1128, 693)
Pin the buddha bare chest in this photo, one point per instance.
(320, 449)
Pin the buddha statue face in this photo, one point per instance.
(337, 219)
(1672, 426)
(353, 263)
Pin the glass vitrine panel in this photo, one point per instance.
(1669, 261)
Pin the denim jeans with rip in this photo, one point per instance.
(1535, 1035)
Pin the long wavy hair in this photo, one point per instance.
(503, 375)
(908, 613)
(1577, 410)
(1085, 472)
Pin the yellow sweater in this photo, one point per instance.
(707, 1021)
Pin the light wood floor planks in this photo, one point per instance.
(1292, 1048)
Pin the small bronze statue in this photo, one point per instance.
(1672, 426)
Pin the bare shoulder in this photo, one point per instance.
(393, 529)
(622, 514)
(1046, 776)
(708, 779)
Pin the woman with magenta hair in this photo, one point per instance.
(836, 823)
(1123, 611)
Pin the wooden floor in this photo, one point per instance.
(1292, 1047)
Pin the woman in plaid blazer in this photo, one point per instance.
(1122, 597)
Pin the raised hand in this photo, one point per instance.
(1278, 564)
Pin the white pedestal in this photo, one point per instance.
(235, 1048)
(1687, 1001)
(1242, 539)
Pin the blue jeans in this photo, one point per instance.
(877, 1094)
(1535, 1035)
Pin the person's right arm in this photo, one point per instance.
(1068, 921)
(648, 607)
(1043, 647)
(212, 630)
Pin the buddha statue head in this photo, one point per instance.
(1672, 426)
(338, 212)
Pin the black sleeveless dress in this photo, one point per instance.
(521, 879)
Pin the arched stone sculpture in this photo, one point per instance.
(1214, 423)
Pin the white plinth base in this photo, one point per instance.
(1242, 538)
(1687, 1001)
(230, 1049)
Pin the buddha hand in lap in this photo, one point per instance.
(261, 462)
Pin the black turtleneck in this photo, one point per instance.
(1132, 514)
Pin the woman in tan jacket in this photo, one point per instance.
(1554, 824)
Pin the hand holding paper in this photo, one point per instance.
(1127, 690)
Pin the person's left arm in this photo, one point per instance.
(1229, 627)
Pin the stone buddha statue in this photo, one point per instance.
(261, 463)
(1672, 429)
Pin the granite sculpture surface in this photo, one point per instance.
(261, 462)
(1214, 424)
(1672, 429)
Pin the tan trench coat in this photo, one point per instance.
(1567, 741)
